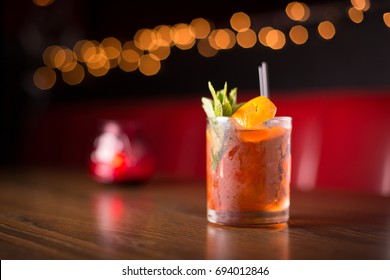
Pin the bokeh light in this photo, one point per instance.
(246, 39)
(149, 65)
(240, 21)
(44, 78)
(298, 11)
(163, 35)
(99, 64)
(355, 15)
(49, 54)
(275, 39)
(112, 47)
(161, 53)
(326, 30)
(386, 19)
(299, 34)
(205, 49)
(43, 3)
(130, 52)
(150, 46)
(225, 39)
(145, 39)
(183, 36)
(201, 28)
(75, 76)
(262, 35)
(362, 5)
(128, 66)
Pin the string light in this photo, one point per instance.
(298, 34)
(151, 46)
(240, 22)
(355, 15)
(43, 3)
(326, 30)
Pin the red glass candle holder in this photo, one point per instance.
(121, 154)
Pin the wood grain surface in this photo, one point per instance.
(64, 214)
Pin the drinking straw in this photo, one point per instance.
(263, 79)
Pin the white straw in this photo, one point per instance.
(263, 79)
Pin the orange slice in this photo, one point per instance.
(254, 112)
(262, 134)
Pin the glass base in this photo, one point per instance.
(252, 218)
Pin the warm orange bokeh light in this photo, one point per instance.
(299, 34)
(49, 54)
(263, 35)
(75, 76)
(112, 47)
(298, 11)
(183, 36)
(85, 50)
(326, 30)
(145, 39)
(149, 65)
(386, 19)
(99, 64)
(128, 66)
(201, 28)
(164, 36)
(161, 53)
(355, 15)
(240, 21)
(130, 52)
(44, 78)
(275, 39)
(43, 3)
(205, 49)
(362, 5)
(247, 39)
(68, 59)
(224, 39)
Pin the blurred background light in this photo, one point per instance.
(112, 47)
(262, 35)
(145, 39)
(298, 34)
(74, 76)
(355, 15)
(164, 36)
(149, 65)
(386, 19)
(205, 49)
(240, 21)
(246, 39)
(161, 53)
(275, 39)
(43, 3)
(326, 30)
(44, 78)
(362, 5)
(225, 39)
(201, 28)
(298, 11)
(183, 36)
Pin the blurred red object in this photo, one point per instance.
(121, 154)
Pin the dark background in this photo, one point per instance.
(357, 57)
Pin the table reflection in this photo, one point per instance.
(271, 242)
(109, 211)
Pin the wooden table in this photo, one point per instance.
(65, 215)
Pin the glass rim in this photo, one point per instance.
(278, 118)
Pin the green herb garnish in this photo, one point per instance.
(222, 104)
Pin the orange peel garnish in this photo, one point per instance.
(254, 112)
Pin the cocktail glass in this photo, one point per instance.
(248, 172)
